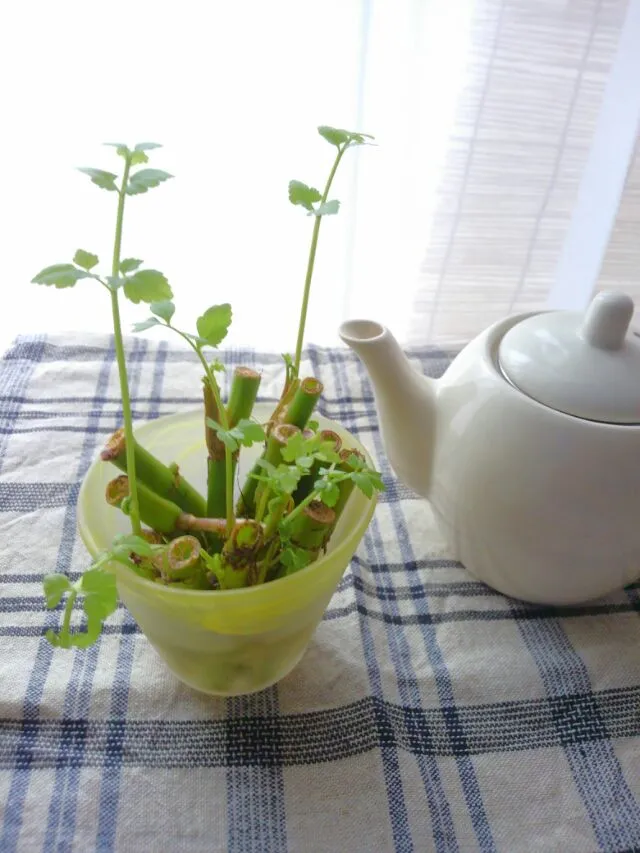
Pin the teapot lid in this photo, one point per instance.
(581, 364)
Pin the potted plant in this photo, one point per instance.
(226, 534)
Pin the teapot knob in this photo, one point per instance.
(607, 320)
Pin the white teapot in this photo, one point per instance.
(528, 448)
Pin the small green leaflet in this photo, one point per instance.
(100, 593)
(245, 433)
(85, 259)
(328, 491)
(55, 586)
(337, 136)
(145, 179)
(127, 543)
(294, 559)
(129, 265)
(329, 208)
(60, 275)
(294, 447)
(121, 148)
(367, 481)
(282, 480)
(143, 325)
(147, 146)
(138, 157)
(104, 180)
(147, 286)
(165, 309)
(300, 193)
(214, 324)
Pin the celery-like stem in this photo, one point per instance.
(134, 511)
(311, 262)
(311, 528)
(304, 402)
(164, 480)
(158, 513)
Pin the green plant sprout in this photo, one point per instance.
(293, 497)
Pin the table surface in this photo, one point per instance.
(429, 713)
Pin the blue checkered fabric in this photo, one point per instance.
(429, 712)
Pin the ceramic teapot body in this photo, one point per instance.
(537, 503)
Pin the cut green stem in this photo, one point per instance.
(164, 480)
(304, 402)
(273, 454)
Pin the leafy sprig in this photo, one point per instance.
(97, 587)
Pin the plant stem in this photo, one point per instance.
(224, 423)
(68, 610)
(120, 358)
(310, 265)
(304, 402)
(163, 479)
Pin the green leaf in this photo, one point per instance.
(85, 259)
(328, 491)
(294, 559)
(294, 447)
(131, 543)
(334, 135)
(138, 157)
(147, 146)
(368, 481)
(60, 275)
(250, 432)
(129, 265)
(165, 309)
(114, 282)
(147, 286)
(100, 593)
(226, 436)
(104, 180)
(145, 179)
(214, 324)
(121, 148)
(313, 425)
(217, 366)
(329, 208)
(55, 586)
(300, 193)
(146, 324)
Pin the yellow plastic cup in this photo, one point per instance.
(223, 642)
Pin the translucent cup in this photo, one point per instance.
(229, 642)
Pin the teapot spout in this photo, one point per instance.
(405, 400)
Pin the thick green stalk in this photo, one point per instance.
(120, 356)
(240, 554)
(311, 528)
(158, 513)
(304, 402)
(310, 265)
(165, 480)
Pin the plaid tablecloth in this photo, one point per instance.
(429, 713)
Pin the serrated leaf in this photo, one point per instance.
(165, 309)
(269, 467)
(138, 157)
(329, 208)
(147, 286)
(226, 436)
(55, 586)
(334, 135)
(146, 324)
(214, 324)
(100, 593)
(129, 264)
(60, 275)
(217, 366)
(251, 432)
(145, 179)
(147, 146)
(313, 425)
(363, 482)
(131, 543)
(300, 193)
(86, 260)
(294, 447)
(121, 148)
(328, 491)
(102, 179)
(294, 559)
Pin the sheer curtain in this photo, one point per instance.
(483, 111)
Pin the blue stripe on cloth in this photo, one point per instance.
(64, 804)
(612, 807)
(21, 775)
(112, 772)
(398, 816)
(256, 819)
(466, 770)
(15, 378)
